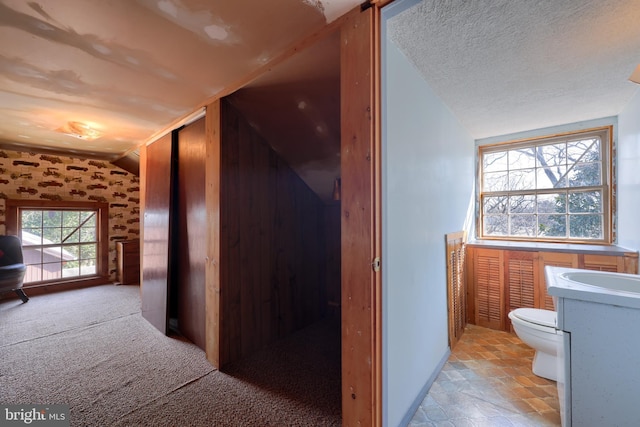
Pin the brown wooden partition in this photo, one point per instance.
(360, 174)
(156, 181)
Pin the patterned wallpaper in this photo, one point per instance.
(42, 176)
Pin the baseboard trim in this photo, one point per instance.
(425, 389)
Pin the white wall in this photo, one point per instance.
(427, 184)
(629, 174)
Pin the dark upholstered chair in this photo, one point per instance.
(12, 268)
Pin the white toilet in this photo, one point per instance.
(537, 328)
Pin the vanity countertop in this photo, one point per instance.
(606, 292)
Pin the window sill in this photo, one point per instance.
(573, 248)
(63, 285)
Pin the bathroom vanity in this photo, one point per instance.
(599, 356)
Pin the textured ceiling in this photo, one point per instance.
(504, 66)
(132, 68)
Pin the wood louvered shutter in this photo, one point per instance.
(556, 259)
(456, 286)
(602, 263)
(521, 279)
(489, 288)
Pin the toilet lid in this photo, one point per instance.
(537, 316)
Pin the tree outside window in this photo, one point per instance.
(554, 189)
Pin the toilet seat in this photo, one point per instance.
(536, 316)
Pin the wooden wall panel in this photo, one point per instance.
(190, 239)
(332, 243)
(272, 248)
(557, 259)
(361, 346)
(213, 233)
(155, 252)
(230, 238)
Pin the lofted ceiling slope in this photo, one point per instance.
(130, 69)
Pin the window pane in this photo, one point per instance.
(523, 179)
(551, 155)
(552, 225)
(586, 201)
(523, 225)
(51, 235)
(88, 234)
(71, 235)
(552, 203)
(522, 204)
(492, 162)
(585, 174)
(32, 255)
(551, 177)
(34, 273)
(71, 253)
(70, 219)
(587, 150)
(523, 158)
(51, 218)
(495, 181)
(87, 251)
(31, 219)
(496, 225)
(88, 218)
(495, 205)
(88, 266)
(71, 269)
(51, 271)
(585, 226)
(31, 236)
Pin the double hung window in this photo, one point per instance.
(554, 189)
(61, 241)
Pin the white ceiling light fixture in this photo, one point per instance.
(81, 131)
(635, 76)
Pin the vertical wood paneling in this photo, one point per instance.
(212, 269)
(556, 259)
(230, 238)
(272, 252)
(155, 255)
(360, 349)
(190, 239)
(332, 244)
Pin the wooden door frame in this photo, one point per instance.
(360, 218)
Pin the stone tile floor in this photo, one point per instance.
(487, 381)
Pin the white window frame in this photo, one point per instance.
(605, 134)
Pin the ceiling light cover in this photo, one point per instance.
(81, 130)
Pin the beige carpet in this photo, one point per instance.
(91, 349)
